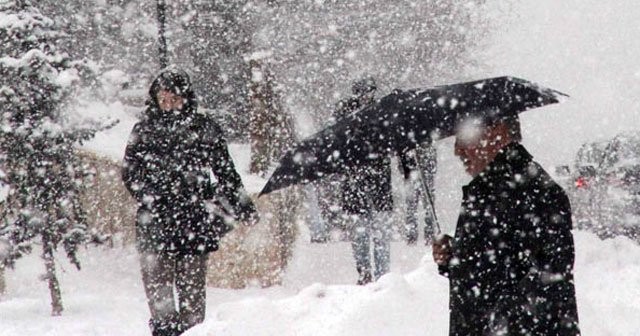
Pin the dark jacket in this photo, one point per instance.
(168, 165)
(421, 160)
(365, 188)
(512, 255)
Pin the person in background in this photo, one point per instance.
(510, 262)
(171, 155)
(366, 197)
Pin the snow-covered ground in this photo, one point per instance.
(317, 297)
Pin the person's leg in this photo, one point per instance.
(317, 222)
(2, 282)
(411, 215)
(382, 243)
(191, 289)
(329, 201)
(158, 274)
(360, 236)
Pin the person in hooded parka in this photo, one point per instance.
(178, 168)
(510, 262)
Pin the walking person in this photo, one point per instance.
(423, 164)
(510, 262)
(366, 198)
(171, 155)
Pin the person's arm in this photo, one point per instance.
(345, 108)
(133, 170)
(555, 262)
(427, 156)
(408, 163)
(554, 255)
(546, 237)
(229, 183)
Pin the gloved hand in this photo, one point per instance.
(442, 250)
(252, 219)
(246, 212)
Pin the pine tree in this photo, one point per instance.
(116, 34)
(38, 142)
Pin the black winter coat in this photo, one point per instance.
(167, 168)
(365, 188)
(511, 271)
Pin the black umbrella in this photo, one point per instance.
(400, 121)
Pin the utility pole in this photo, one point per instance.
(162, 41)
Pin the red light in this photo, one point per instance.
(581, 182)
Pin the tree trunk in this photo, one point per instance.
(2, 282)
(260, 159)
(270, 126)
(259, 125)
(162, 40)
(287, 204)
(54, 286)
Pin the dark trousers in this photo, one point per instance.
(164, 274)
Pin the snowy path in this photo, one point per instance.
(107, 298)
(317, 298)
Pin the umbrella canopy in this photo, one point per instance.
(400, 121)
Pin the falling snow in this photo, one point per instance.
(75, 78)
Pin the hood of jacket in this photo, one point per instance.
(177, 82)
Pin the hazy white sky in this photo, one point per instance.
(589, 49)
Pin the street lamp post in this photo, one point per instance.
(162, 41)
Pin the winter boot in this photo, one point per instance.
(364, 277)
(161, 328)
(169, 327)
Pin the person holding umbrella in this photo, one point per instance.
(169, 160)
(510, 262)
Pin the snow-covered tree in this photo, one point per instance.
(38, 142)
(119, 35)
